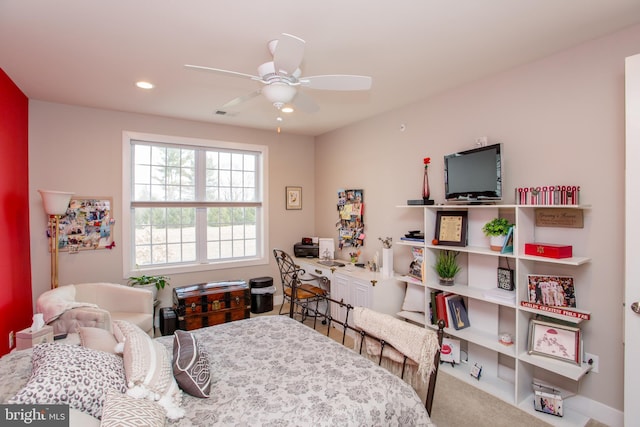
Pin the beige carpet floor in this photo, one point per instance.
(458, 404)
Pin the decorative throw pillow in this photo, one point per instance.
(191, 364)
(147, 366)
(72, 375)
(414, 299)
(123, 410)
(97, 339)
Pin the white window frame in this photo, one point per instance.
(129, 269)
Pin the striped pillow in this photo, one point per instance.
(121, 410)
(147, 367)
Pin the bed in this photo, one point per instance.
(273, 370)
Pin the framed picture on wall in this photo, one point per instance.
(294, 198)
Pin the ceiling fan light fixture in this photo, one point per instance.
(287, 109)
(279, 93)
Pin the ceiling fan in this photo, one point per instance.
(282, 76)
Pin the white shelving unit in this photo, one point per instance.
(507, 371)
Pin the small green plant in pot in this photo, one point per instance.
(447, 266)
(497, 230)
(153, 283)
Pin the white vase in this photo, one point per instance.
(387, 262)
(496, 242)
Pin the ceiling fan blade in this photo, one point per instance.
(288, 54)
(305, 103)
(224, 72)
(337, 82)
(239, 100)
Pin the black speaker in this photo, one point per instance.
(168, 321)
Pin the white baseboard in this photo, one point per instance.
(596, 410)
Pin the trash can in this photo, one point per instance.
(262, 291)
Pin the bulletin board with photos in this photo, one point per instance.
(87, 225)
(350, 213)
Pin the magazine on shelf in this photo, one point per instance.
(415, 268)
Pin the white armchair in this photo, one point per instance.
(96, 305)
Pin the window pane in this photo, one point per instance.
(171, 235)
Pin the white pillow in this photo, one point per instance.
(147, 367)
(414, 299)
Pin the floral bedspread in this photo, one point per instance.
(274, 371)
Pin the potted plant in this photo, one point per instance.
(447, 266)
(497, 230)
(153, 283)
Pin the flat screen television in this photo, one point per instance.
(474, 176)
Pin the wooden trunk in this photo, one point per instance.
(208, 304)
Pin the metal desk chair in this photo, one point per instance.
(291, 278)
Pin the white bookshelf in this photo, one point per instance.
(492, 313)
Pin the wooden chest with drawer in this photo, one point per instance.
(208, 304)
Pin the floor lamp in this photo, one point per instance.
(55, 205)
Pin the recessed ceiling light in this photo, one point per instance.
(144, 85)
(287, 109)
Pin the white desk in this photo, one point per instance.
(358, 286)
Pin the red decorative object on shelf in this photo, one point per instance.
(426, 193)
(548, 250)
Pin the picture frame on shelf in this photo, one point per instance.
(555, 341)
(506, 279)
(551, 291)
(293, 198)
(451, 228)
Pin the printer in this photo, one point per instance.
(306, 249)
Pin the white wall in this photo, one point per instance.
(80, 150)
(561, 120)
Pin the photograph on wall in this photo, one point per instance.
(552, 291)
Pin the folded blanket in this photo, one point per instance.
(52, 304)
(417, 343)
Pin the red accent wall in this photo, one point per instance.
(16, 307)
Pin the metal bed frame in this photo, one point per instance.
(311, 310)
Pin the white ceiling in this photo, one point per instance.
(91, 52)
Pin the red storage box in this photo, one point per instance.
(548, 250)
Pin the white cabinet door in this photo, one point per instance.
(339, 292)
(361, 293)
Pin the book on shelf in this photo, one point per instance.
(441, 307)
(569, 312)
(459, 316)
(412, 239)
(434, 311)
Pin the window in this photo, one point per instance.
(193, 204)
